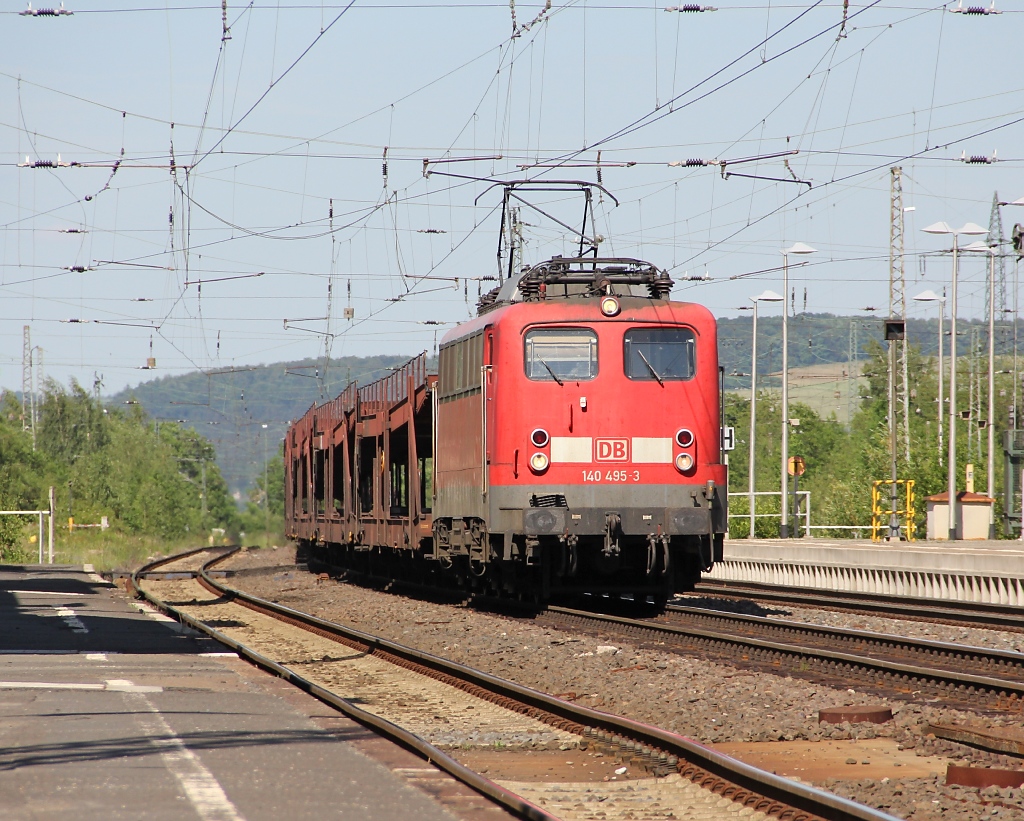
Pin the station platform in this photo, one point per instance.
(109, 710)
(989, 571)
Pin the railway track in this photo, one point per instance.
(456, 717)
(975, 614)
(963, 677)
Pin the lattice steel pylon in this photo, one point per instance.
(996, 238)
(28, 387)
(898, 304)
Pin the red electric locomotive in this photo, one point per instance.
(571, 441)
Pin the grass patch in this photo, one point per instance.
(113, 550)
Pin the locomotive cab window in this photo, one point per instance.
(561, 354)
(660, 353)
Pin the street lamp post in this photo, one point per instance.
(767, 296)
(266, 489)
(991, 250)
(796, 248)
(969, 229)
(931, 296)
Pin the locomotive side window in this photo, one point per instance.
(561, 353)
(660, 353)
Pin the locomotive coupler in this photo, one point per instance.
(612, 531)
(657, 542)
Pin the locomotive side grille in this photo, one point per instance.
(548, 500)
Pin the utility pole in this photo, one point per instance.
(996, 240)
(895, 334)
(898, 299)
(28, 403)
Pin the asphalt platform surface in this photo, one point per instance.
(108, 711)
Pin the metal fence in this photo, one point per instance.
(803, 517)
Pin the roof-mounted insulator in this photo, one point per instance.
(690, 7)
(58, 12)
(976, 10)
(978, 159)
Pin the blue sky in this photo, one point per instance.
(289, 117)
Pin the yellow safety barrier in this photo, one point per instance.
(880, 511)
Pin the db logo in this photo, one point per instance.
(612, 450)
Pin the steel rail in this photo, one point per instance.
(980, 614)
(882, 645)
(1007, 695)
(731, 778)
(429, 752)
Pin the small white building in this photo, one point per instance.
(973, 513)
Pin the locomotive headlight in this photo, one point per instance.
(539, 437)
(684, 437)
(684, 462)
(538, 463)
(610, 306)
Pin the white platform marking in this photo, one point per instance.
(116, 685)
(203, 790)
(48, 685)
(71, 619)
(121, 685)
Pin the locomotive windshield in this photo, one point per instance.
(660, 353)
(561, 353)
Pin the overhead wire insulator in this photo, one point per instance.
(976, 10)
(518, 30)
(173, 166)
(57, 12)
(978, 159)
(384, 167)
(691, 162)
(842, 26)
(77, 269)
(58, 163)
(690, 8)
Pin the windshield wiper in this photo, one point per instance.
(553, 374)
(650, 367)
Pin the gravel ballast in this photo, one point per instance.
(710, 702)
